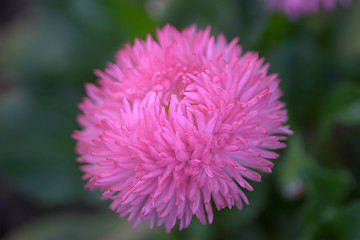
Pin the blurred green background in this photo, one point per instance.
(49, 49)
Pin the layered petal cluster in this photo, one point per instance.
(176, 125)
(294, 9)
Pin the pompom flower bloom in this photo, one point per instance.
(175, 123)
(294, 9)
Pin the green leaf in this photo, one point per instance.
(292, 163)
(348, 35)
(349, 115)
(130, 17)
(341, 105)
(326, 192)
(90, 226)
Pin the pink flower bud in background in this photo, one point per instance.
(294, 9)
(174, 124)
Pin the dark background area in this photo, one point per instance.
(49, 49)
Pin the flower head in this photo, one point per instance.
(294, 9)
(175, 123)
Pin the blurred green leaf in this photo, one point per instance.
(74, 226)
(326, 192)
(325, 187)
(340, 100)
(349, 115)
(294, 161)
(346, 221)
(340, 106)
(130, 17)
(348, 35)
(336, 222)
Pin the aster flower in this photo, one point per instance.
(175, 124)
(296, 8)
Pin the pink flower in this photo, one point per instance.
(174, 124)
(294, 9)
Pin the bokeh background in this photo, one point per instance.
(49, 49)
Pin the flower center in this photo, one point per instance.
(173, 81)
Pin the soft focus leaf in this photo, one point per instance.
(339, 116)
(340, 103)
(122, 13)
(326, 192)
(346, 221)
(80, 226)
(348, 36)
(349, 115)
(294, 161)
